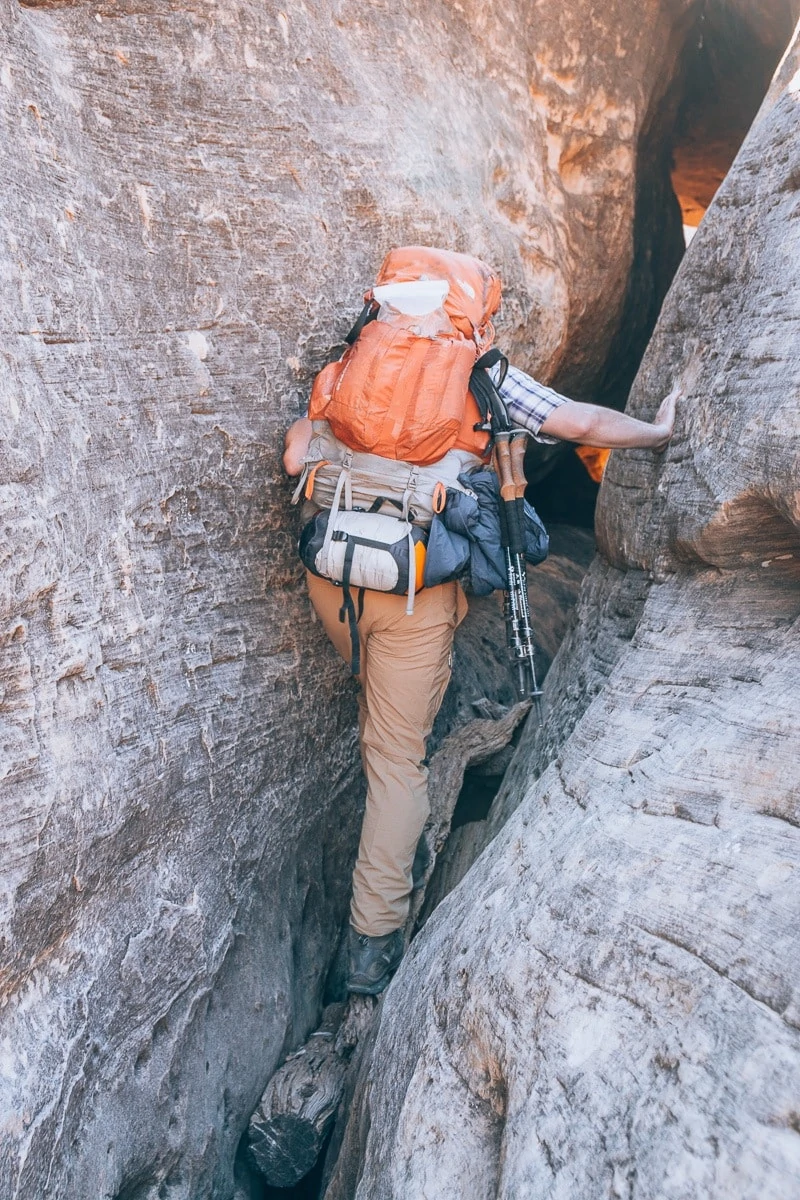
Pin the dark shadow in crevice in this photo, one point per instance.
(475, 798)
(658, 247)
(567, 496)
(728, 63)
(309, 1187)
(688, 142)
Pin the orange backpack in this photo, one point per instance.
(401, 390)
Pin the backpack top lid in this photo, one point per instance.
(416, 298)
(474, 294)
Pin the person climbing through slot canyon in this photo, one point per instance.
(375, 446)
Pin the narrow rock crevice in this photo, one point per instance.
(179, 778)
(690, 137)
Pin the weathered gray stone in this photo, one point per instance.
(609, 1003)
(194, 197)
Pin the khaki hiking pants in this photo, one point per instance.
(405, 669)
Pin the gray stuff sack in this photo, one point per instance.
(468, 531)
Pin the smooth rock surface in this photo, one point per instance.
(609, 1002)
(194, 198)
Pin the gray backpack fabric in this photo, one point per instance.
(364, 550)
(360, 478)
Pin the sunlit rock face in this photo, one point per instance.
(609, 1003)
(194, 198)
(728, 62)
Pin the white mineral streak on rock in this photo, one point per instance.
(198, 344)
(144, 205)
(609, 1002)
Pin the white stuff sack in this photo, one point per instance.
(386, 554)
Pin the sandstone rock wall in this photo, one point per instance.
(609, 1003)
(194, 197)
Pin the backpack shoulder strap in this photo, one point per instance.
(368, 313)
(486, 392)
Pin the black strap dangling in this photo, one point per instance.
(368, 313)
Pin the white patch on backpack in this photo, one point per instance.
(467, 287)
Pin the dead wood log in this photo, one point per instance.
(473, 743)
(288, 1129)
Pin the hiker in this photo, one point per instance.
(399, 639)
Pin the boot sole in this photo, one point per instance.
(380, 985)
(369, 989)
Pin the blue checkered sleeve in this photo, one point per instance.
(528, 403)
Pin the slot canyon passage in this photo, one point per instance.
(195, 197)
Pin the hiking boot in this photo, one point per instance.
(372, 960)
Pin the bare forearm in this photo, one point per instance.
(618, 431)
(593, 425)
(296, 444)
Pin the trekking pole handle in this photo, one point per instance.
(502, 451)
(517, 462)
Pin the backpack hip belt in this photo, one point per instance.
(416, 490)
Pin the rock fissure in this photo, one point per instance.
(721, 971)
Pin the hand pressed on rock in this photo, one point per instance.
(664, 423)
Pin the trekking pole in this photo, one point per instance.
(509, 454)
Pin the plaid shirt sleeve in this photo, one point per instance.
(529, 403)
